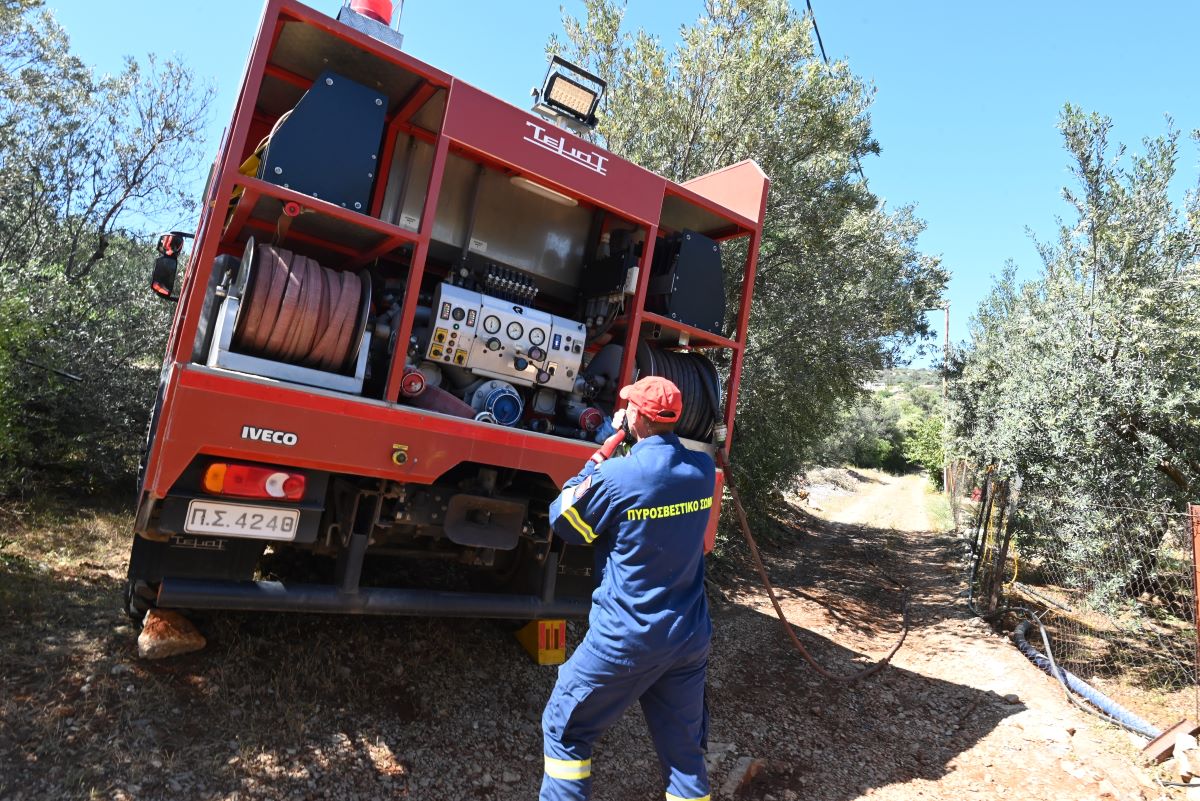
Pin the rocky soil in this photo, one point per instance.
(295, 707)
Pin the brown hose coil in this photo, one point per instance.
(297, 311)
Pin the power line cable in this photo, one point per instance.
(824, 57)
(812, 15)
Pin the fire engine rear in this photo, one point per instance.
(404, 322)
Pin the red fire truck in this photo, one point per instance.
(404, 321)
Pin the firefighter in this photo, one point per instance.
(648, 638)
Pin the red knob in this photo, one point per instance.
(590, 419)
(413, 384)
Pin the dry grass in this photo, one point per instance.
(56, 567)
(273, 701)
(938, 506)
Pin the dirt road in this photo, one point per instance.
(334, 708)
(1002, 728)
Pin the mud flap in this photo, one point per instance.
(194, 556)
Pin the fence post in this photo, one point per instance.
(985, 510)
(1194, 510)
(1000, 545)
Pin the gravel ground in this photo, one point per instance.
(307, 707)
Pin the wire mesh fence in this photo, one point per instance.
(1115, 586)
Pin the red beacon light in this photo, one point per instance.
(376, 18)
(378, 10)
(249, 481)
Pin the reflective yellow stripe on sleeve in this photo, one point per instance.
(577, 523)
(680, 798)
(569, 769)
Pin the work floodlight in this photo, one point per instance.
(570, 94)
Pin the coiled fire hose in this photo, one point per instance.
(698, 383)
(722, 459)
(294, 310)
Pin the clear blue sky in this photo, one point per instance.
(967, 93)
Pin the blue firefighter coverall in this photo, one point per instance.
(648, 640)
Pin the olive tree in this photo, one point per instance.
(87, 163)
(1084, 381)
(841, 285)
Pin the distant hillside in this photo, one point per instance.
(907, 378)
(895, 426)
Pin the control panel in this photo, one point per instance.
(499, 339)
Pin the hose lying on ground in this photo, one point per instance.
(723, 462)
(1112, 711)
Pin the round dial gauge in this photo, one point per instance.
(536, 336)
(491, 323)
(514, 330)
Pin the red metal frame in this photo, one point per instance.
(203, 411)
(417, 270)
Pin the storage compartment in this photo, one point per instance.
(283, 315)
(487, 216)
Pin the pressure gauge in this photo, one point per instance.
(514, 330)
(536, 336)
(491, 323)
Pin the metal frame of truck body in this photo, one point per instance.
(202, 410)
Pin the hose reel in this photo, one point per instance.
(294, 310)
(698, 382)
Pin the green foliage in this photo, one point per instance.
(897, 427)
(866, 433)
(841, 286)
(83, 433)
(923, 447)
(1084, 381)
(80, 335)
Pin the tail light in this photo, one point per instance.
(250, 481)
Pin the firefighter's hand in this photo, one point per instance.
(609, 447)
(618, 419)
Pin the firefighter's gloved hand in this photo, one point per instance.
(609, 447)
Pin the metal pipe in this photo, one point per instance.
(945, 408)
(1111, 709)
(272, 596)
(1194, 514)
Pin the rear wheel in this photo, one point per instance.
(140, 598)
(518, 571)
(151, 425)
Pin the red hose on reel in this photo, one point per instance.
(294, 310)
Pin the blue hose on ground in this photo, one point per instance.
(1111, 709)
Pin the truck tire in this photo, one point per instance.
(139, 599)
(151, 426)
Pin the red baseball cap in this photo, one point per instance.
(655, 397)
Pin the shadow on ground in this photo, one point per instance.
(298, 707)
(827, 741)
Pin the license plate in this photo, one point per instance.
(236, 520)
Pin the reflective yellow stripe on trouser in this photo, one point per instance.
(680, 798)
(568, 769)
